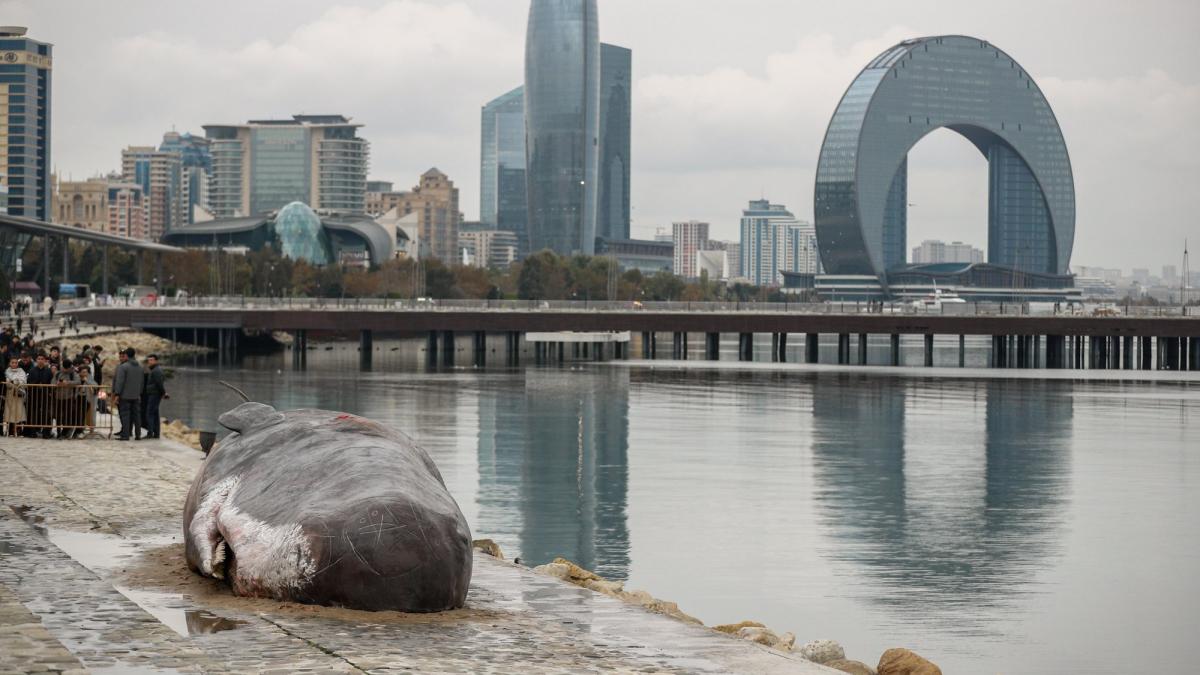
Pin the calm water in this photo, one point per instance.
(994, 525)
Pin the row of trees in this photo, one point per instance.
(541, 276)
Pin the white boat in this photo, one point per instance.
(938, 299)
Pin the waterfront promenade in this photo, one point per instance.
(92, 578)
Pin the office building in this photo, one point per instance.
(562, 124)
(936, 252)
(689, 238)
(25, 104)
(195, 158)
(263, 165)
(616, 124)
(764, 247)
(161, 176)
(502, 197)
(971, 87)
(434, 202)
(489, 248)
(648, 257)
(714, 263)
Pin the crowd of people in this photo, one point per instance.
(48, 394)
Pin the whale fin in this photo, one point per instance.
(249, 415)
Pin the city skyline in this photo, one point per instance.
(750, 149)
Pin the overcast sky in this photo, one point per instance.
(730, 103)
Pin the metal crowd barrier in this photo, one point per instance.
(59, 408)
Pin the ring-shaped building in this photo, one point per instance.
(969, 86)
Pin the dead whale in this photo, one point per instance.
(327, 508)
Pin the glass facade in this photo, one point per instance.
(25, 78)
(562, 118)
(973, 88)
(502, 166)
(301, 236)
(279, 160)
(616, 88)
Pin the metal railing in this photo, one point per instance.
(682, 306)
(62, 409)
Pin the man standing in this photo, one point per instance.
(127, 387)
(156, 391)
(39, 397)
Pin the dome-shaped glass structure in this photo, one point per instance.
(301, 235)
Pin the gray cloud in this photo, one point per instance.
(731, 99)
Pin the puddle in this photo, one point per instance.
(176, 613)
(105, 553)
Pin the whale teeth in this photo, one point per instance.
(218, 559)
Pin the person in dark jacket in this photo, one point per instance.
(155, 392)
(127, 387)
(39, 397)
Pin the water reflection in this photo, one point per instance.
(554, 469)
(970, 514)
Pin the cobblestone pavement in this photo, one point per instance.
(75, 516)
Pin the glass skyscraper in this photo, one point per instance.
(25, 67)
(959, 83)
(502, 199)
(196, 160)
(616, 90)
(562, 122)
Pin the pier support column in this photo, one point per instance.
(862, 349)
(782, 348)
(480, 344)
(812, 348)
(997, 360)
(774, 347)
(962, 351)
(677, 346)
(512, 348)
(431, 349)
(366, 349)
(1038, 359)
(303, 350)
(1127, 357)
(1022, 352)
(843, 349)
(712, 346)
(448, 351)
(895, 349)
(1114, 356)
(1079, 361)
(746, 347)
(929, 351)
(1194, 351)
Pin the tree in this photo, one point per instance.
(473, 282)
(664, 286)
(360, 283)
(543, 277)
(440, 281)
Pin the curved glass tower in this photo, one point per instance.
(562, 122)
(953, 82)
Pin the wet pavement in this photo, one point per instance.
(76, 517)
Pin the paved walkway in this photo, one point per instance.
(92, 579)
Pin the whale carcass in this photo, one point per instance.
(327, 508)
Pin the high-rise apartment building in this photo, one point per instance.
(802, 253)
(25, 68)
(161, 176)
(263, 165)
(502, 198)
(616, 96)
(764, 246)
(434, 201)
(195, 159)
(126, 210)
(689, 238)
(562, 124)
(933, 251)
